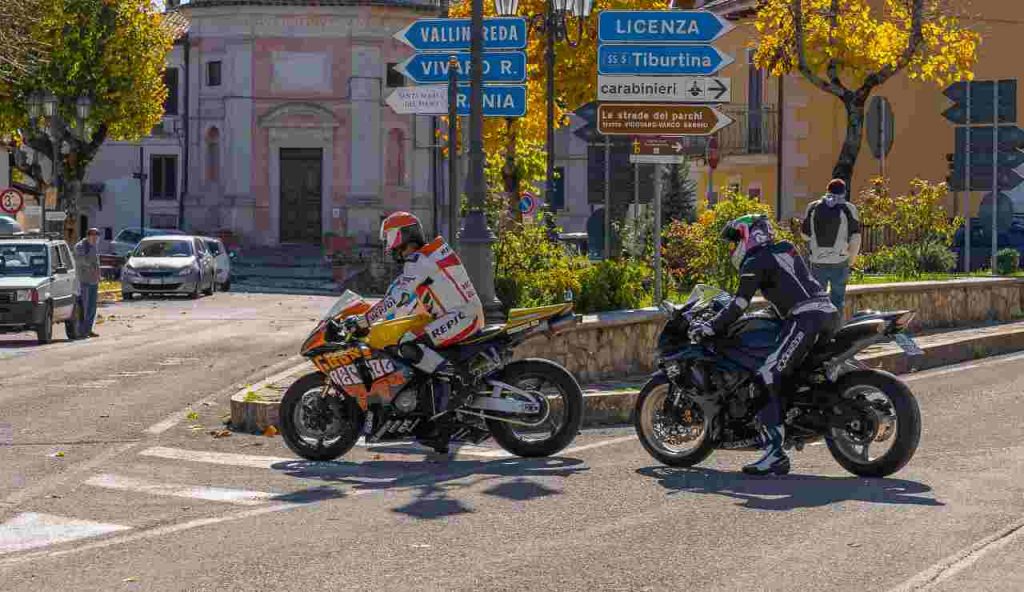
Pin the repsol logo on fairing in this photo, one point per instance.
(442, 330)
(349, 375)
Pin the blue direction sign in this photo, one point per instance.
(696, 60)
(454, 34)
(660, 26)
(507, 67)
(499, 101)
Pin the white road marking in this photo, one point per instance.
(56, 480)
(214, 494)
(217, 458)
(958, 562)
(30, 530)
(600, 444)
(926, 374)
(176, 418)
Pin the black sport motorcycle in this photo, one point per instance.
(704, 395)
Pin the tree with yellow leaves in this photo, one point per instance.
(848, 48)
(575, 84)
(111, 51)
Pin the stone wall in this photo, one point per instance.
(944, 304)
(621, 343)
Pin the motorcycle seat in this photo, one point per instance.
(486, 334)
(846, 337)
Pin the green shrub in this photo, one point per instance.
(898, 261)
(934, 257)
(613, 285)
(695, 253)
(1007, 261)
(909, 261)
(531, 269)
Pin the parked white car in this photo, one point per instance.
(170, 264)
(221, 261)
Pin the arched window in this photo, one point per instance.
(395, 170)
(213, 155)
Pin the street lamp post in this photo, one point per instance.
(476, 237)
(554, 23)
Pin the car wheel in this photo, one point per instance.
(71, 325)
(226, 286)
(44, 332)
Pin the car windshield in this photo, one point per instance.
(164, 248)
(214, 247)
(129, 235)
(24, 260)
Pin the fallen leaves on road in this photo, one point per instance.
(58, 454)
(220, 433)
(191, 415)
(129, 580)
(270, 431)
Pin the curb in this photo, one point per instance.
(602, 408)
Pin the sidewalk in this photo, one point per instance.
(611, 402)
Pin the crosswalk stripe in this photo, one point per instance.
(217, 458)
(216, 494)
(30, 530)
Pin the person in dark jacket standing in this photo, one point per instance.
(779, 272)
(832, 230)
(87, 260)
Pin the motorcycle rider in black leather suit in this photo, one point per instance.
(782, 276)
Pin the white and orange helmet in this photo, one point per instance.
(398, 230)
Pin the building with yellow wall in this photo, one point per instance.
(813, 123)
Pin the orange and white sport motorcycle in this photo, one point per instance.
(363, 387)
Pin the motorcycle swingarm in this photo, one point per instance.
(495, 402)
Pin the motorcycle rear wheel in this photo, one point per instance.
(850, 447)
(560, 419)
(649, 420)
(314, 427)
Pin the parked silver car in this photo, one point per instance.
(222, 261)
(170, 264)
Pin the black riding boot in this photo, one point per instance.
(773, 436)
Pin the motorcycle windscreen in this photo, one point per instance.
(751, 340)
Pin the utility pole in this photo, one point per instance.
(453, 153)
(142, 176)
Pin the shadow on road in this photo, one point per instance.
(792, 491)
(433, 482)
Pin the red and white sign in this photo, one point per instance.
(11, 201)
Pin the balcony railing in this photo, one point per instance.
(753, 131)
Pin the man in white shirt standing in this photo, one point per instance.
(831, 227)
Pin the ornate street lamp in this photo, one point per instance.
(60, 135)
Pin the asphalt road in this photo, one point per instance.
(130, 507)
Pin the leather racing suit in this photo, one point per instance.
(434, 281)
(782, 276)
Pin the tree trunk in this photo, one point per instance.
(855, 107)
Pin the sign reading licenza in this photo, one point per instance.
(660, 26)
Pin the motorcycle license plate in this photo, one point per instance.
(908, 345)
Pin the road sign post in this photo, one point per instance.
(995, 178)
(453, 154)
(659, 174)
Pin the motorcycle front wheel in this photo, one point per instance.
(316, 427)
(675, 435)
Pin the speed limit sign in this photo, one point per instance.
(11, 201)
